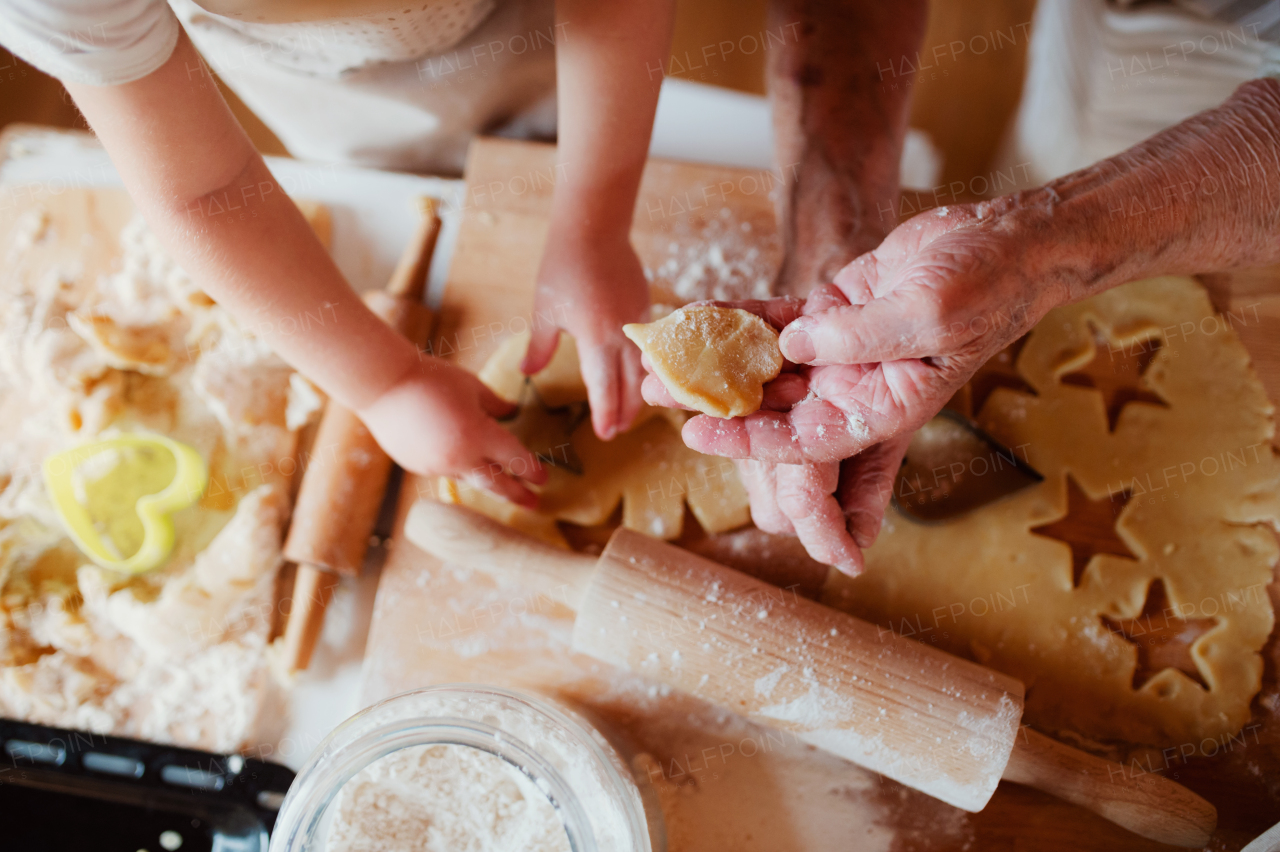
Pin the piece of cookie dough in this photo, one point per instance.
(714, 360)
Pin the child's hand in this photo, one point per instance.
(591, 287)
(438, 419)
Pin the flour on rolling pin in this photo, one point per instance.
(929, 720)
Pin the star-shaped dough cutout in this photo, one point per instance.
(1163, 640)
(999, 372)
(547, 431)
(1116, 371)
(1088, 528)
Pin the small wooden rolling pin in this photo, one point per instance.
(940, 724)
(343, 485)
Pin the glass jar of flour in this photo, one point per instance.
(468, 768)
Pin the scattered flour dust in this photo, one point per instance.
(444, 798)
(181, 654)
(724, 259)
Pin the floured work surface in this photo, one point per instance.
(101, 334)
(1171, 463)
(1131, 590)
(725, 784)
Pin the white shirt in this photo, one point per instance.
(106, 42)
(98, 43)
(402, 87)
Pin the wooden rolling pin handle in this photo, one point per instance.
(409, 280)
(312, 590)
(412, 319)
(459, 535)
(1148, 805)
(340, 496)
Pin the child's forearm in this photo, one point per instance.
(609, 70)
(208, 196)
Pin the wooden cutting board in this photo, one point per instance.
(725, 784)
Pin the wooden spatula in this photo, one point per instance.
(940, 724)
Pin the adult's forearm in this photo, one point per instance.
(840, 117)
(1202, 196)
(208, 196)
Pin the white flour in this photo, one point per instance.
(435, 794)
(444, 798)
(721, 259)
(180, 654)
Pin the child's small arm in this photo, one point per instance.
(209, 198)
(609, 63)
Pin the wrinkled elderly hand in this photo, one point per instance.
(835, 507)
(871, 358)
(885, 346)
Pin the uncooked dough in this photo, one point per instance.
(648, 469)
(1202, 481)
(714, 360)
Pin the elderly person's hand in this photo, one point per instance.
(902, 327)
(834, 507)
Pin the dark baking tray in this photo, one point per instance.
(65, 789)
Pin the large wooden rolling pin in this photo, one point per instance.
(935, 722)
(346, 478)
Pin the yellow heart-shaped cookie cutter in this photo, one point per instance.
(90, 507)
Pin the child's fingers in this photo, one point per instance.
(542, 346)
(602, 375)
(656, 393)
(493, 405)
(503, 448)
(506, 487)
(633, 377)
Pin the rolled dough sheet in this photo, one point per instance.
(1198, 481)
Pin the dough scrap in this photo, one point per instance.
(653, 474)
(714, 360)
(558, 384)
(1202, 481)
(648, 469)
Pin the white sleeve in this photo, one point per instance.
(93, 42)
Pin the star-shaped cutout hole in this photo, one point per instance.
(1089, 528)
(1162, 638)
(546, 432)
(999, 372)
(1116, 371)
